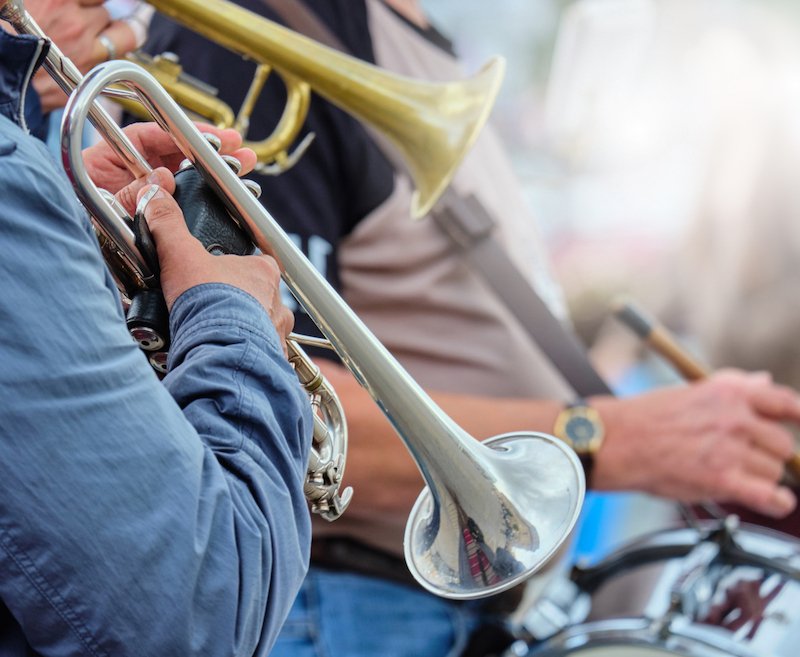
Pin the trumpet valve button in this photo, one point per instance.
(254, 187)
(233, 163)
(158, 361)
(215, 141)
(147, 338)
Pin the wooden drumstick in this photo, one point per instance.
(661, 340)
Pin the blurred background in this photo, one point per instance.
(659, 145)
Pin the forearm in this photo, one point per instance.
(165, 523)
(229, 376)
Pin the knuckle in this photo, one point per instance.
(161, 211)
(721, 485)
(287, 319)
(759, 497)
(127, 197)
(784, 444)
(785, 398)
(774, 470)
(269, 266)
(731, 423)
(724, 392)
(724, 460)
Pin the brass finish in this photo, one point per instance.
(197, 98)
(200, 101)
(491, 514)
(431, 125)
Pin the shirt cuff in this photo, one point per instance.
(220, 307)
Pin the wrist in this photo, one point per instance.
(613, 468)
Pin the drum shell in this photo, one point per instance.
(745, 602)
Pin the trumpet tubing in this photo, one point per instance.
(492, 513)
(432, 125)
(201, 102)
(191, 94)
(490, 516)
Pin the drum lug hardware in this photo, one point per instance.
(562, 605)
(660, 626)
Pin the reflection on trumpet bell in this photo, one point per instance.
(491, 515)
(483, 530)
(431, 125)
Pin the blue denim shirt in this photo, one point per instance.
(135, 518)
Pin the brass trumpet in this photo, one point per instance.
(432, 125)
(492, 513)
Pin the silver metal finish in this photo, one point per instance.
(67, 76)
(687, 592)
(114, 230)
(158, 361)
(147, 338)
(327, 458)
(492, 515)
(254, 187)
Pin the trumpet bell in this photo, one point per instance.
(438, 128)
(432, 125)
(482, 533)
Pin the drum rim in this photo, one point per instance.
(636, 631)
(666, 544)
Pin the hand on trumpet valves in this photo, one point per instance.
(722, 439)
(158, 148)
(85, 32)
(185, 263)
(183, 260)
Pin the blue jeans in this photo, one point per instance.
(348, 615)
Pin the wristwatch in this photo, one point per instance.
(580, 426)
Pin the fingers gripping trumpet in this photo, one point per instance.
(491, 514)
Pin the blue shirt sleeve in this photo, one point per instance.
(137, 518)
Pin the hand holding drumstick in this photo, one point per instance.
(661, 340)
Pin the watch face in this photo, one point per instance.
(583, 428)
(581, 431)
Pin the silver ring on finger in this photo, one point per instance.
(108, 44)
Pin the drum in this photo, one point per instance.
(715, 590)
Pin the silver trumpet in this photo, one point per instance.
(492, 513)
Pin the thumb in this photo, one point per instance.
(129, 195)
(165, 220)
